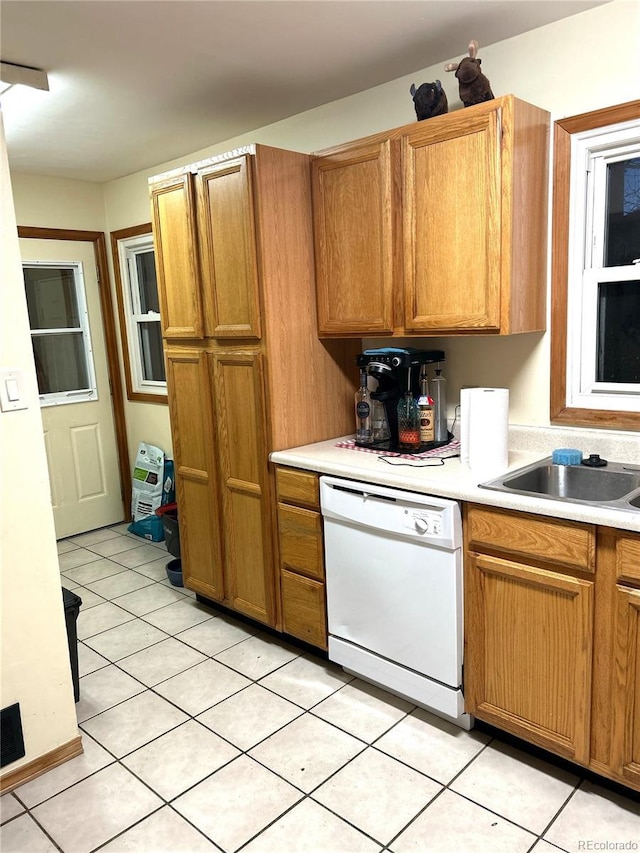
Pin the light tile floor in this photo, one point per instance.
(203, 733)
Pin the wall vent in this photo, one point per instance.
(12, 740)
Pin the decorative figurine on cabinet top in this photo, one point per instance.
(474, 87)
(429, 99)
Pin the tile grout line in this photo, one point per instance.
(309, 710)
(304, 711)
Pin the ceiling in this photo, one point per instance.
(134, 83)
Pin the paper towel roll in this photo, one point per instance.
(484, 429)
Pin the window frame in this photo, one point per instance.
(128, 325)
(83, 395)
(565, 130)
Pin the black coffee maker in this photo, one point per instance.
(397, 370)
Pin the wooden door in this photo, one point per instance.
(227, 230)
(190, 406)
(176, 254)
(625, 743)
(355, 207)
(452, 223)
(247, 505)
(63, 299)
(528, 652)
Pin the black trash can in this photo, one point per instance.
(72, 604)
(168, 515)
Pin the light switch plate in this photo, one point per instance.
(11, 390)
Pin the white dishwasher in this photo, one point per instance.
(394, 591)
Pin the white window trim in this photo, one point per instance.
(585, 270)
(83, 395)
(128, 248)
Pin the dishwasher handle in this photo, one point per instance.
(365, 494)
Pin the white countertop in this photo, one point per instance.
(450, 480)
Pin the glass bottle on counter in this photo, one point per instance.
(439, 385)
(408, 423)
(425, 409)
(364, 429)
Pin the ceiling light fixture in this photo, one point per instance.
(22, 75)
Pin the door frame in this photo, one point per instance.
(98, 239)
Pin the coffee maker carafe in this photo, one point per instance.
(397, 370)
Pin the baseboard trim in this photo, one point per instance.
(40, 765)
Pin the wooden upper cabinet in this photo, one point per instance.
(452, 218)
(228, 245)
(475, 219)
(355, 206)
(176, 254)
(436, 227)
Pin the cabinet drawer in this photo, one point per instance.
(563, 543)
(301, 541)
(628, 559)
(298, 487)
(303, 609)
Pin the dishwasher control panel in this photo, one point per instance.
(422, 521)
(434, 521)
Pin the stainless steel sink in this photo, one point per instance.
(616, 485)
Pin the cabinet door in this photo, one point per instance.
(626, 687)
(528, 652)
(227, 230)
(247, 505)
(176, 255)
(300, 532)
(452, 224)
(304, 610)
(190, 404)
(354, 211)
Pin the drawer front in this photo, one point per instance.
(562, 543)
(301, 541)
(628, 559)
(304, 612)
(298, 487)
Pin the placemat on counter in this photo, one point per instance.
(446, 450)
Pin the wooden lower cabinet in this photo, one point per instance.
(625, 746)
(529, 652)
(304, 613)
(301, 551)
(190, 405)
(223, 483)
(552, 636)
(238, 379)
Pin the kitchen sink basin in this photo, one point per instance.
(615, 485)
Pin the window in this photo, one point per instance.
(139, 309)
(59, 332)
(595, 366)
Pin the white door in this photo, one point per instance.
(73, 379)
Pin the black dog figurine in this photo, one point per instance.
(429, 99)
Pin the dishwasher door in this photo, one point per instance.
(394, 576)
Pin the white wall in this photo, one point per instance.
(35, 659)
(582, 63)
